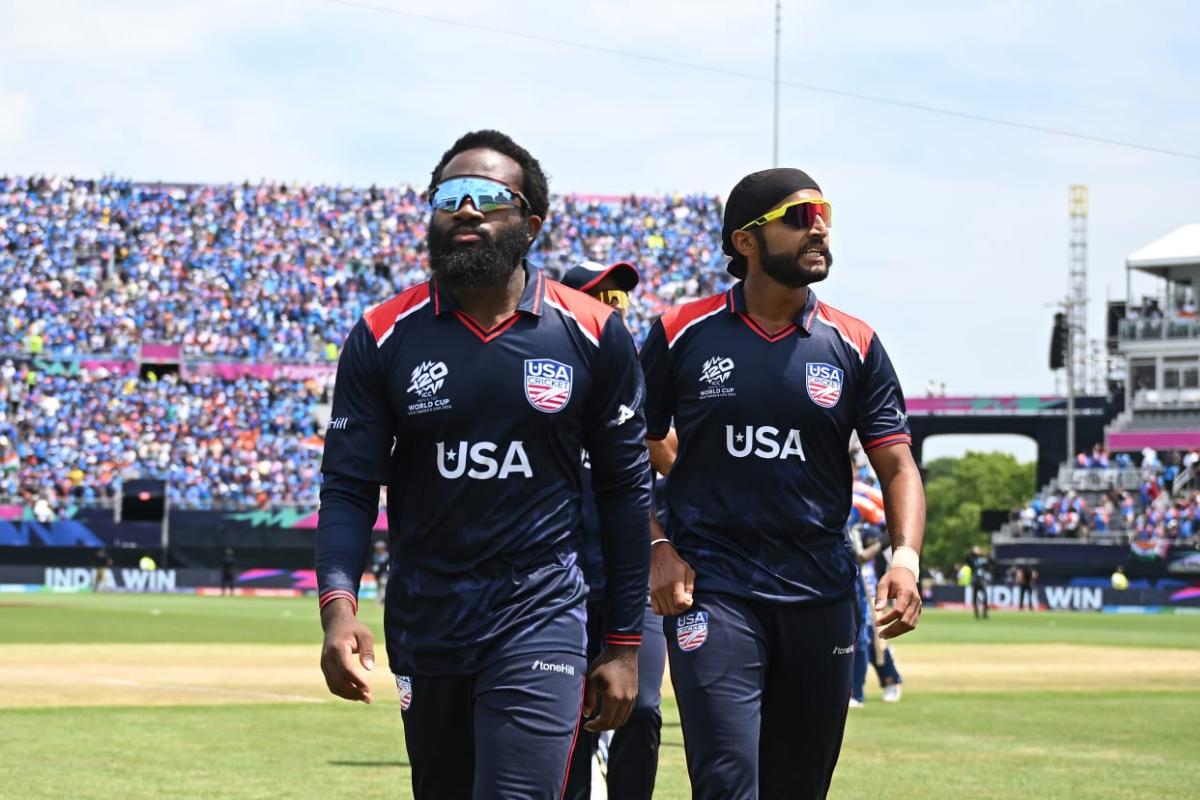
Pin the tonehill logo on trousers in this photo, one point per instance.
(764, 442)
(452, 461)
(546, 666)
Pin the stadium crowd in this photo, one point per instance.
(223, 444)
(278, 272)
(252, 272)
(1129, 495)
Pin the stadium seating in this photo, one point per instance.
(258, 274)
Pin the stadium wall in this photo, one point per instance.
(185, 580)
(1076, 597)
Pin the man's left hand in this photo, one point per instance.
(900, 586)
(612, 686)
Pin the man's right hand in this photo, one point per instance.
(671, 581)
(348, 652)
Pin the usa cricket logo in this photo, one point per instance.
(548, 384)
(404, 687)
(824, 384)
(691, 630)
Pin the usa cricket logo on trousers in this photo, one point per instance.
(404, 687)
(691, 630)
(548, 384)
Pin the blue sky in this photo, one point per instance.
(951, 235)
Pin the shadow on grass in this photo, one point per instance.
(368, 763)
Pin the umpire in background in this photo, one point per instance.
(633, 750)
(981, 578)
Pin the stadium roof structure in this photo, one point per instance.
(1175, 256)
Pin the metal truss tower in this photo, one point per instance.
(1077, 299)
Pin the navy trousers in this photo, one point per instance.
(633, 752)
(762, 691)
(506, 731)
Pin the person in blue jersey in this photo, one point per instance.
(471, 397)
(632, 761)
(755, 578)
(867, 544)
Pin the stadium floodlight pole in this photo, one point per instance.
(775, 141)
(1069, 306)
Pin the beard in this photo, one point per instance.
(488, 262)
(788, 268)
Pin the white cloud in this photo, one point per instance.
(951, 234)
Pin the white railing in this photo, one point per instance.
(1166, 398)
(1098, 480)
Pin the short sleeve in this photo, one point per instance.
(660, 395)
(881, 418)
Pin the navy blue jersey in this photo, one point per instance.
(477, 434)
(761, 488)
(592, 552)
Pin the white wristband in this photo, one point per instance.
(658, 541)
(907, 557)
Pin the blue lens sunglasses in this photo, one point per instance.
(486, 195)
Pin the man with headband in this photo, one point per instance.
(632, 763)
(755, 579)
(471, 397)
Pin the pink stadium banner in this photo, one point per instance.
(303, 372)
(228, 370)
(11, 512)
(1158, 440)
(310, 521)
(161, 352)
(232, 370)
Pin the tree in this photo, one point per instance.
(958, 489)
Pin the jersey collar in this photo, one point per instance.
(532, 299)
(735, 303)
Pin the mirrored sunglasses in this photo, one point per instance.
(485, 194)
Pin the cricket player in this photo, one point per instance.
(755, 579)
(471, 397)
(632, 761)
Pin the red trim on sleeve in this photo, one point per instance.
(622, 639)
(589, 313)
(853, 330)
(680, 318)
(382, 317)
(887, 441)
(334, 594)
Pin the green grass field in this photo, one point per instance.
(157, 696)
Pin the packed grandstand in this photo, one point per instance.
(248, 290)
(1146, 496)
(251, 289)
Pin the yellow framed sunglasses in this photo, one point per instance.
(617, 298)
(801, 214)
